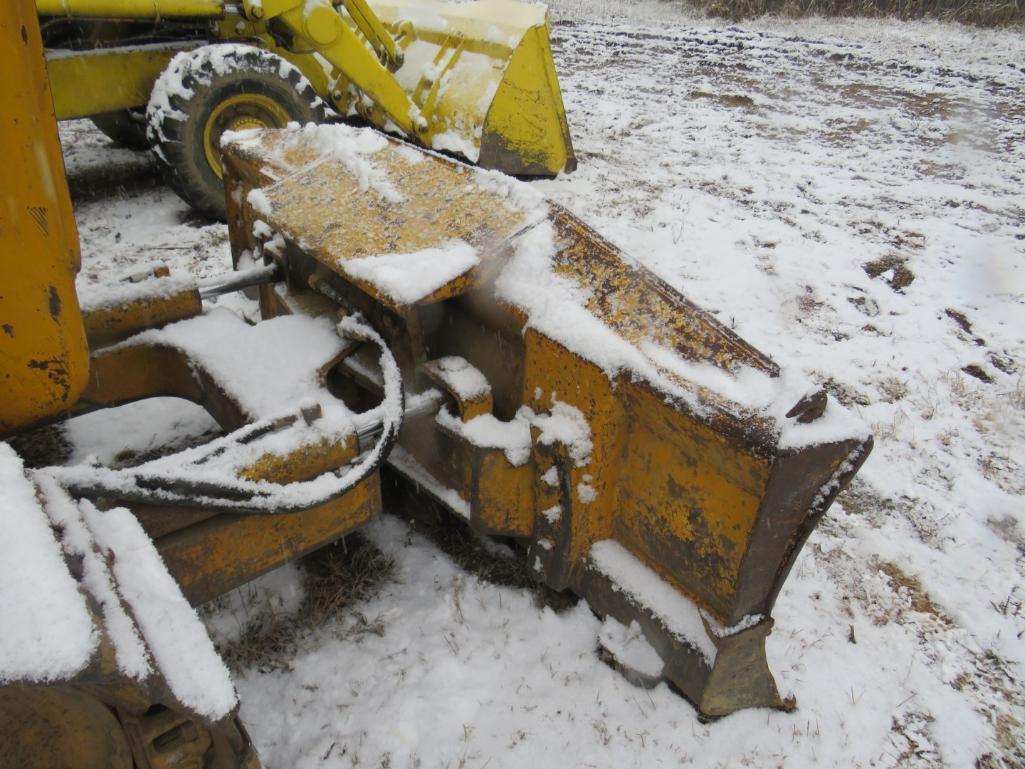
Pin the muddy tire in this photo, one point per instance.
(213, 89)
(125, 127)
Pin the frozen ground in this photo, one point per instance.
(849, 197)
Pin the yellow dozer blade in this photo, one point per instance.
(645, 456)
(481, 75)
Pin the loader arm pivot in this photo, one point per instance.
(319, 26)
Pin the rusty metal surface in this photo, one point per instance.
(207, 551)
(59, 727)
(43, 353)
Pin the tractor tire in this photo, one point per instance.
(125, 127)
(213, 89)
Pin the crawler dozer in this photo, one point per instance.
(475, 79)
(416, 312)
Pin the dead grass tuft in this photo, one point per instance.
(1017, 396)
(900, 275)
(336, 579)
(727, 99)
(911, 588)
(892, 389)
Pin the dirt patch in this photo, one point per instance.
(726, 99)
(977, 372)
(959, 318)
(1003, 362)
(845, 394)
(900, 276)
(965, 325)
(865, 304)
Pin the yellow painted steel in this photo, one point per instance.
(44, 361)
(526, 124)
(482, 76)
(375, 225)
(132, 9)
(109, 324)
(476, 78)
(238, 113)
(44, 727)
(373, 30)
(87, 83)
(692, 486)
(224, 552)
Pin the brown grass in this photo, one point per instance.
(901, 277)
(336, 579)
(910, 587)
(989, 13)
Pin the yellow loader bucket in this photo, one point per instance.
(483, 78)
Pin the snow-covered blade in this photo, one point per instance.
(651, 460)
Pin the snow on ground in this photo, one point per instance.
(847, 196)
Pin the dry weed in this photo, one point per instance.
(336, 579)
(911, 589)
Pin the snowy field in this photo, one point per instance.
(850, 197)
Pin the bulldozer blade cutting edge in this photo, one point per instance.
(639, 449)
(483, 78)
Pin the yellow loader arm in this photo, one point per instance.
(472, 78)
(322, 28)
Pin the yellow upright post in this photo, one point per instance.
(44, 359)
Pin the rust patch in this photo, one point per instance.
(55, 303)
(56, 371)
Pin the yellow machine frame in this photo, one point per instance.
(523, 130)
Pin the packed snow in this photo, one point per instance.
(847, 196)
(408, 278)
(679, 614)
(179, 643)
(48, 632)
